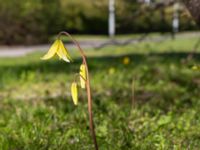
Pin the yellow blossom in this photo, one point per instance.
(59, 49)
(111, 70)
(126, 60)
(83, 76)
(74, 93)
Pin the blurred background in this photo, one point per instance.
(143, 58)
(37, 21)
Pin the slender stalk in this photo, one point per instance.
(89, 96)
(133, 93)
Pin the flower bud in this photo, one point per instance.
(74, 93)
(83, 76)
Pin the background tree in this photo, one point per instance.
(194, 7)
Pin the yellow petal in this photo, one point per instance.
(63, 52)
(126, 60)
(83, 76)
(52, 51)
(74, 93)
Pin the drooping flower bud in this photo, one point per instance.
(83, 77)
(74, 93)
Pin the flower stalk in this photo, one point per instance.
(59, 49)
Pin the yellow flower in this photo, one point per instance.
(126, 60)
(83, 76)
(195, 67)
(111, 70)
(74, 93)
(59, 49)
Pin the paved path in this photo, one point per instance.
(15, 51)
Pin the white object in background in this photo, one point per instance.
(111, 21)
(148, 2)
(175, 22)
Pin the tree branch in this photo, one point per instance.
(194, 8)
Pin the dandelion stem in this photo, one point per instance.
(91, 123)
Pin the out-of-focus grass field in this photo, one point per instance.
(37, 113)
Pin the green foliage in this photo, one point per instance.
(34, 21)
(37, 113)
(87, 17)
(28, 22)
(133, 17)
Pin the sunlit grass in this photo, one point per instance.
(36, 110)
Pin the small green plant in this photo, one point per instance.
(59, 49)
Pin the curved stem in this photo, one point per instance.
(88, 87)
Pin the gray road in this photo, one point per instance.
(15, 51)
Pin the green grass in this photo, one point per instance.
(37, 113)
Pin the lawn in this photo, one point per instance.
(152, 102)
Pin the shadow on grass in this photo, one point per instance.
(98, 63)
(150, 77)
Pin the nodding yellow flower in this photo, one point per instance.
(74, 93)
(83, 76)
(59, 49)
(126, 60)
